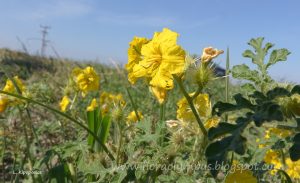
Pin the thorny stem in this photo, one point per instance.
(191, 104)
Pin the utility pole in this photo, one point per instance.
(44, 40)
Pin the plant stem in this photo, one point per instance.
(66, 116)
(162, 112)
(73, 101)
(120, 144)
(227, 81)
(191, 104)
(72, 172)
(133, 104)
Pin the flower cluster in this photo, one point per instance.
(157, 60)
(186, 119)
(86, 79)
(292, 168)
(109, 101)
(9, 87)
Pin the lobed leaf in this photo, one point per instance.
(244, 72)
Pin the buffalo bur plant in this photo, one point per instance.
(163, 124)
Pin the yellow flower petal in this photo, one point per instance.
(64, 103)
(3, 103)
(159, 93)
(132, 118)
(9, 86)
(245, 176)
(293, 168)
(86, 79)
(161, 57)
(92, 105)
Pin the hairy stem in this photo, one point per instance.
(191, 104)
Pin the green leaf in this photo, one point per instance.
(216, 152)
(244, 72)
(267, 47)
(256, 43)
(295, 149)
(287, 177)
(242, 102)
(267, 111)
(248, 87)
(221, 107)
(249, 54)
(103, 130)
(222, 129)
(91, 126)
(280, 144)
(278, 55)
(296, 89)
(277, 92)
(59, 173)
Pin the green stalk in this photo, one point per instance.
(64, 115)
(162, 112)
(191, 104)
(133, 104)
(72, 172)
(227, 81)
(120, 143)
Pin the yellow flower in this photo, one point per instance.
(86, 79)
(293, 168)
(108, 101)
(92, 105)
(64, 103)
(162, 58)
(283, 133)
(202, 105)
(210, 53)
(3, 103)
(212, 122)
(272, 157)
(237, 176)
(134, 56)
(159, 93)
(9, 86)
(132, 118)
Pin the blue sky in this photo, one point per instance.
(90, 29)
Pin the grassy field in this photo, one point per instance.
(126, 135)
